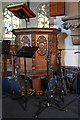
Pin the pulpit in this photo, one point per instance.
(45, 38)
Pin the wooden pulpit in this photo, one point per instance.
(45, 38)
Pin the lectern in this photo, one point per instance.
(26, 52)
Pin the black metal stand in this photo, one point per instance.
(60, 78)
(26, 52)
(47, 102)
(49, 97)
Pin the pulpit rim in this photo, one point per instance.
(35, 30)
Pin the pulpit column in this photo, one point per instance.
(72, 20)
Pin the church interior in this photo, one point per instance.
(39, 59)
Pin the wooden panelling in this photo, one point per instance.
(57, 8)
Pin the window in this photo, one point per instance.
(42, 16)
(10, 22)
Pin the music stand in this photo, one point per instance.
(26, 52)
(6, 47)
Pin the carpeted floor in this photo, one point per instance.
(14, 108)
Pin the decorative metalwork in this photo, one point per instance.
(42, 43)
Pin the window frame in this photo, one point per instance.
(47, 14)
(12, 38)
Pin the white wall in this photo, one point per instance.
(65, 43)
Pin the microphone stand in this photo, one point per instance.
(48, 99)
